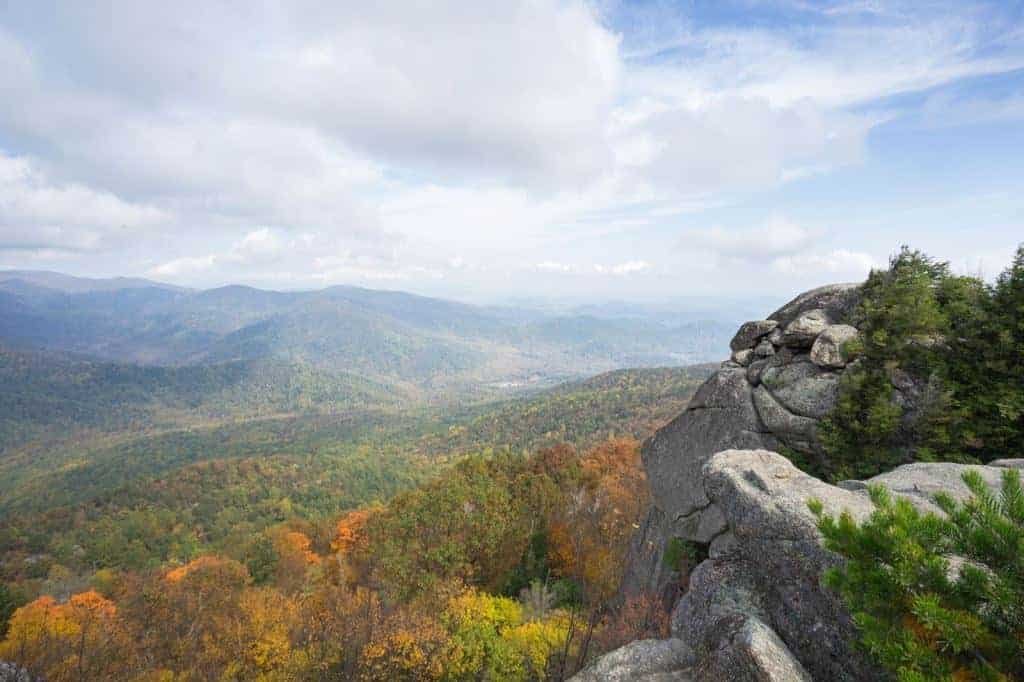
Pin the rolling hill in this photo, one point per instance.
(52, 397)
(421, 348)
(163, 495)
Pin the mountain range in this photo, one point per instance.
(412, 348)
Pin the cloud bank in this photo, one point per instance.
(444, 145)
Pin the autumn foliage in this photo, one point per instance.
(501, 568)
(81, 639)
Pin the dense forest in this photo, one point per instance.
(938, 371)
(262, 509)
(500, 567)
(47, 396)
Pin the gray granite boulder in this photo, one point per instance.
(9, 672)
(791, 429)
(750, 333)
(802, 388)
(732, 411)
(723, 619)
(742, 357)
(836, 300)
(802, 331)
(719, 589)
(645, 660)
(827, 350)
(764, 349)
(702, 525)
(921, 481)
(754, 371)
(749, 651)
(756, 609)
(645, 571)
(770, 581)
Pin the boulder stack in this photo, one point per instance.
(780, 380)
(755, 609)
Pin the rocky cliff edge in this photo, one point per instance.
(755, 609)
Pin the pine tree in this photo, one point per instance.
(999, 399)
(936, 598)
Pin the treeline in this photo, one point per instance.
(939, 374)
(222, 506)
(502, 569)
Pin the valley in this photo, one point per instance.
(142, 424)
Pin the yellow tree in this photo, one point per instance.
(489, 639)
(82, 639)
(180, 613)
(336, 622)
(409, 646)
(255, 641)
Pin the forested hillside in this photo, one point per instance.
(120, 507)
(501, 567)
(51, 396)
(419, 348)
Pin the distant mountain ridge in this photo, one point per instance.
(421, 347)
(71, 284)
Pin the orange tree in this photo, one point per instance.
(82, 639)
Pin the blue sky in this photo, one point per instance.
(496, 150)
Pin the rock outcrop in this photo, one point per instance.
(9, 672)
(770, 394)
(646, 660)
(755, 609)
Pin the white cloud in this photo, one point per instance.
(497, 87)
(619, 269)
(36, 212)
(782, 247)
(183, 266)
(627, 268)
(353, 141)
(552, 266)
(734, 142)
(854, 264)
(260, 245)
(777, 237)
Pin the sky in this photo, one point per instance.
(503, 149)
